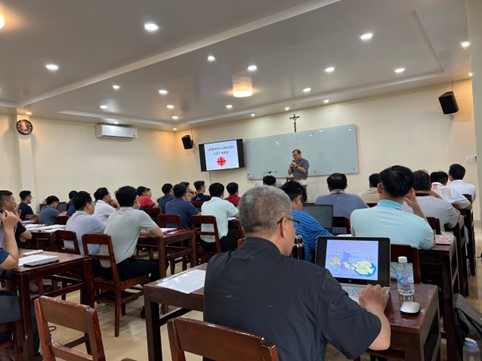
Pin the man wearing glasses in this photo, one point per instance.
(296, 305)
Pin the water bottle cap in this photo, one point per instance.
(470, 342)
(402, 259)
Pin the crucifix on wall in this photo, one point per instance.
(294, 118)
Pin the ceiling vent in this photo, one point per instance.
(113, 131)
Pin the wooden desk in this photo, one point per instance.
(22, 276)
(439, 267)
(413, 337)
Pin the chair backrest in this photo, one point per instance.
(66, 236)
(62, 219)
(216, 342)
(435, 224)
(153, 213)
(164, 219)
(105, 241)
(197, 204)
(73, 316)
(371, 204)
(196, 225)
(412, 255)
(342, 222)
(469, 197)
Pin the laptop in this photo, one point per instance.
(355, 261)
(322, 213)
(37, 260)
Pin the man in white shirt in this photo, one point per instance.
(456, 176)
(103, 207)
(439, 185)
(222, 210)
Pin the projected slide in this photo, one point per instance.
(221, 155)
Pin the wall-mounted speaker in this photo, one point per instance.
(448, 103)
(187, 142)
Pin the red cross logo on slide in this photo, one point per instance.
(221, 161)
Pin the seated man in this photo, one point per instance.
(439, 185)
(269, 180)
(296, 305)
(103, 204)
(200, 189)
(125, 226)
(144, 199)
(83, 221)
(222, 210)
(456, 176)
(168, 196)
(371, 194)
(182, 206)
(343, 203)
(233, 197)
(49, 212)
(431, 203)
(7, 203)
(26, 212)
(69, 206)
(388, 219)
(308, 227)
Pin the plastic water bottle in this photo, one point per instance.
(405, 277)
(471, 350)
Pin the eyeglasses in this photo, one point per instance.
(295, 222)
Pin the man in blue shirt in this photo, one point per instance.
(167, 197)
(308, 227)
(181, 206)
(49, 212)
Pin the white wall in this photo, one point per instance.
(405, 128)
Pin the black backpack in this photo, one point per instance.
(468, 322)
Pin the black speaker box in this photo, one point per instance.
(448, 103)
(187, 142)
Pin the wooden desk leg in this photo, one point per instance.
(448, 317)
(25, 307)
(153, 331)
(87, 293)
(414, 348)
(194, 251)
(161, 247)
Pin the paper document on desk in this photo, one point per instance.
(185, 282)
(444, 238)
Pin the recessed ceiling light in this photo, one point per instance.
(366, 36)
(287, 108)
(174, 129)
(470, 74)
(151, 27)
(399, 70)
(28, 113)
(170, 106)
(103, 107)
(252, 114)
(330, 69)
(211, 58)
(326, 101)
(229, 106)
(465, 44)
(306, 90)
(52, 67)
(175, 117)
(163, 91)
(116, 87)
(252, 68)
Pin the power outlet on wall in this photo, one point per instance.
(471, 159)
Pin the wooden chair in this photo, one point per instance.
(16, 341)
(62, 219)
(168, 219)
(196, 225)
(164, 219)
(153, 213)
(198, 204)
(412, 255)
(342, 222)
(73, 316)
(216, 342)
(114, 285)
(435, 224)
(66, 236)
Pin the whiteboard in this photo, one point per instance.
(328, 150)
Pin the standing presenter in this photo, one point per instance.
(298, 166)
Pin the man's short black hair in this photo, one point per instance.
(24, 194)
(337, 181)
(166, 188)
(421, 180)
(186, 184)
(216, 190)
(51, 199)
(199, 184)
(126, 196)
(269, 180)
(294, 189)
(4, 195)
(142, 189)
(232, 188)
(81, 199)
(179, 190)
(439, 176)
(374, 179)
(100, 193)
(456, 171)
(397, 180)
(72, 194)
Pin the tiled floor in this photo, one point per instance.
(132, 340)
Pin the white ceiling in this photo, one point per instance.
(100, 43)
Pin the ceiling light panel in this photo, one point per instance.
(52, 67)
(151, 27)
(330, 69)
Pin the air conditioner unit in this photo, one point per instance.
(112, 131)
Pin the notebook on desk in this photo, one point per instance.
(355, 261)
(37, 260)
